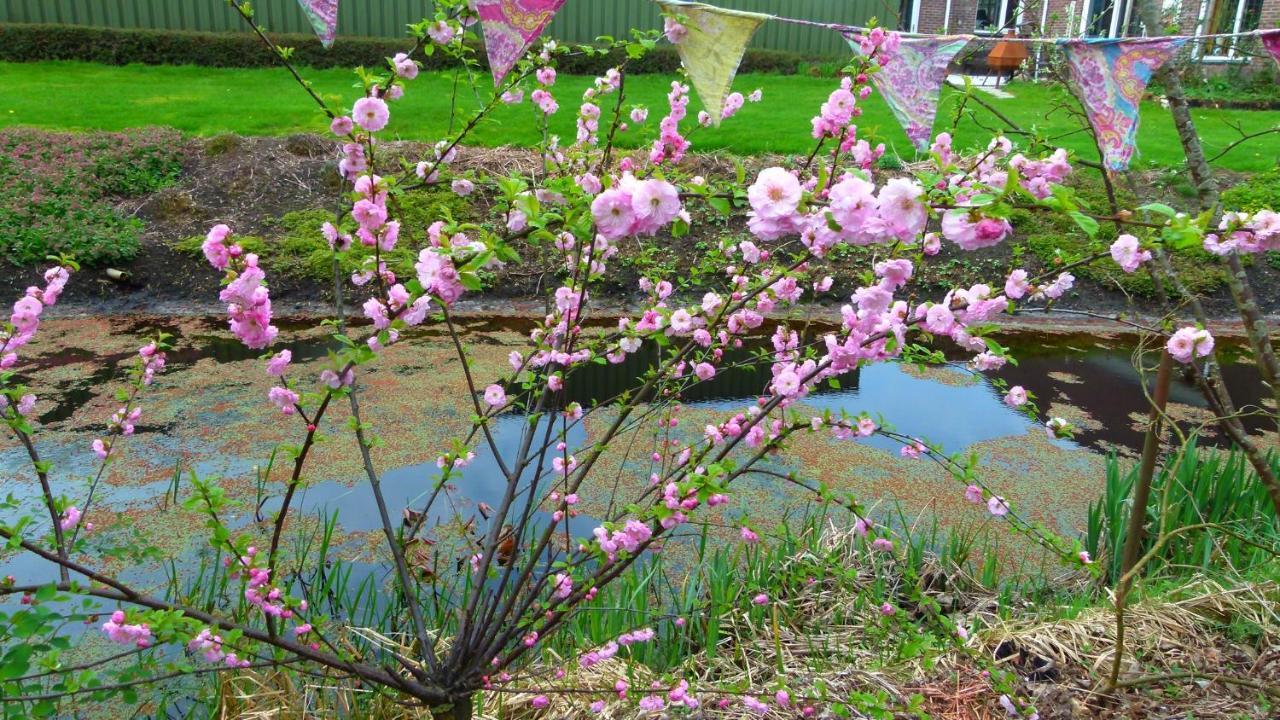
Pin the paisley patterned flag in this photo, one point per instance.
(1271, 41)
(510, 27)
(911, 78)
(1110, 76)
(323, 15)
(711, 44)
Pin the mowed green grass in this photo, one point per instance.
(209, 101)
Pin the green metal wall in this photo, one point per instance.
(579, 21)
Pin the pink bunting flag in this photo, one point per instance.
(323, 15)
(1271, 41)
(911, 78)
(1111, 76)
(510, 27)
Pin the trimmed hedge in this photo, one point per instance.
(111, 46)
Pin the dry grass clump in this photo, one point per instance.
(826, 634)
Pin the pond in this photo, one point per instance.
(208, 414)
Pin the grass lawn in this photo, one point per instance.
(209, 101)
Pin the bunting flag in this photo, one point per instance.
(711, 47)
(323, 15)
(510, 28)
(911, 78)
(1271, 41)
(1110, 76)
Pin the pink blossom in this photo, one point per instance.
(331, 379)
(341, 126)
(613, 214)
(1189, 343)
(405, 68)
(540, 702)
(283, 398)
(761, 599)
(371, 114)
(704, 371)
(674, 31)
(441, 32)
(495, 396)
(1060, 286)
(997, 506)
(70, 518)
(589, 183)
(1128, 254)
(903, 213)
(1016, 397)
(215, 251)
(463, 187)
(1016, 286)
(775, 194)
(278, 364)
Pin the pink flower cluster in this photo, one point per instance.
(248, 301)
(25, 317)
(1245, 233)
(856, 213)
(635, 207)
(120, 631)
(70, 518)
(210, 646)
(628, 539)
(671, 146)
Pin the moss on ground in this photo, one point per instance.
(1057, 240)
(292, 244)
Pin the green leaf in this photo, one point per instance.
(1086, 223)
(1159, 209)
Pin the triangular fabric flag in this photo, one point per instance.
(510, 27)
(1110, 76)
(1271, 41)
(323, 15)
(712, 48)
(911, 78)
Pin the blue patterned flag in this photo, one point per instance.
(323, 15)
(1111, 76)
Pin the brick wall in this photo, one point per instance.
(933, 16)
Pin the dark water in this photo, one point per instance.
(948, 406)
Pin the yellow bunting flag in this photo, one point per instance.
(711, 42)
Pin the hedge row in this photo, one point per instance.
(27, 43)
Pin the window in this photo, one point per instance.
(1109, 18)
(997, 16)
(1226, 16)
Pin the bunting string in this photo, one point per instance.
(841, 28)
(1109, 75)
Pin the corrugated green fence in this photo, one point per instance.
(579, 21)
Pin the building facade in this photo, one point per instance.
(1098, 18)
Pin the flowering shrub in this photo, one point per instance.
(522, 576)
(53, 192)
